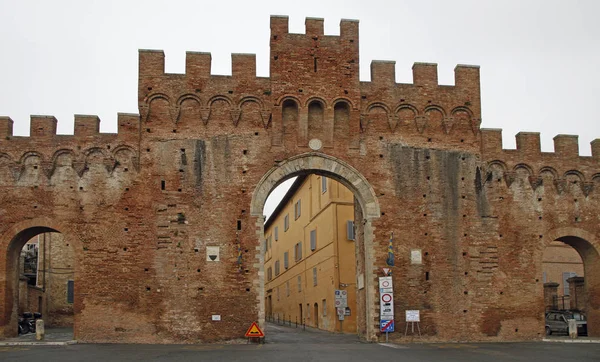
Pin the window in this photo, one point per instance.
(544, 277)
(286, 260)
(286, 222)
(277, 293)
(276, 232)
(277, 268)
(298, 251)
(269, 273)
(315, 277)
(70, 291)
(350, 229)
(324, 305)
(313, 240)
(299, 283)
(268, 243)
(287, 288)
(323, 184)
(297, 207)
(567, 275)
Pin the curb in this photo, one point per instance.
(571, 340)
(64, 343)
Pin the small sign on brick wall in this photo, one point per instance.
(212, 253)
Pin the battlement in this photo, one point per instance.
(313, 27)
(529, 145)
(43, 127)
(425, 74)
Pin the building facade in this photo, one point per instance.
(310, 253)
(166, 219)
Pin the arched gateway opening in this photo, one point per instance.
(16, 296)
(585, 298)
(366, 209)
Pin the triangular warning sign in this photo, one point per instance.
(254, 331)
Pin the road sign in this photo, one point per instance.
(340, 311)
(386, 325)
(254, 331)
(341, 298)
(386, 298)
(385, 282)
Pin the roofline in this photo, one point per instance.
(288, 195)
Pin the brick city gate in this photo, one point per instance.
(145, 207)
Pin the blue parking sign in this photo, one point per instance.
(386, 325)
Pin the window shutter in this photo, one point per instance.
(276, 233)
(350, 229)
(323, 184)
(70, 291)
(285, 259)
(314, 276)
(313, 239)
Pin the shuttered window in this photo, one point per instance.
(298, 251)
(286, 222)
(323, 184)
(350, 229)
(313, 239)
(314, 276)
(70, 291)
(286, 260)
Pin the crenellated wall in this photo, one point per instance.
(143, 207)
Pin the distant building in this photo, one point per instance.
(310, 253)
(560, 263)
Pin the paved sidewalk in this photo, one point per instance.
(53, 337)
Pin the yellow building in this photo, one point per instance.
(561, 262)
(310, 253)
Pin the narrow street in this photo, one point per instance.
(291, 344)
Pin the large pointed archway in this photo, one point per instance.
(340, 171)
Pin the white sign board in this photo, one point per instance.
(416, 257)
(341, 298)
(413, 316)
(216, 317)
(385, 283)
(212, 253)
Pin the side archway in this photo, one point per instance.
(321, 164)
(586, 244)
(12, 241)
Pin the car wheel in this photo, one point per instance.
(548, 331)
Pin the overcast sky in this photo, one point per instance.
(539, 59)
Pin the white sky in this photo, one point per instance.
(539, 58)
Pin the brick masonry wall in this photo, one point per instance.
(141, 207)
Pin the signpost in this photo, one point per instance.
(412, 317)
(341, 302)
(386, 305)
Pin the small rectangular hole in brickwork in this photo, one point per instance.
(239, 224)
(163, 184)
(426, 275)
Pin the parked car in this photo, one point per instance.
(557, 322)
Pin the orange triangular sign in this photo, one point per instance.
(254, 331)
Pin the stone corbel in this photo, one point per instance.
(561, 185)
(48, 168)
(587, 188)
(535, 182)
(175, 112)
(144, 110)
(420, 122)
(265, 114)
(235, 115)
(392, 122)
(364, 119)
(205, 114)
(448, 122)
(509, 177)
(80, 167)
(475, 125)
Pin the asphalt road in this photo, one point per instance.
(291, 344)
